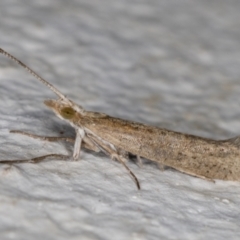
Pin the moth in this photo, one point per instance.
(197, 156)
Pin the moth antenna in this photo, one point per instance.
(49, 85)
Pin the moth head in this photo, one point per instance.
(66, 110)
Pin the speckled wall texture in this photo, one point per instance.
(169, 63)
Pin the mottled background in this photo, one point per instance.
(169, 63)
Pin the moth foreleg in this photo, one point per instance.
(44, 138)
(86, 142)
(36, 159)
(90, 145)
(80, 133)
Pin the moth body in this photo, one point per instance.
(193, 155)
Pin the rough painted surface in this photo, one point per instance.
(173, 64)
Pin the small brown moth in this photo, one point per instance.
(193, 155)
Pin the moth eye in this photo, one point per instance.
(67, 112)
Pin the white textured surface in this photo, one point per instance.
(173, 63)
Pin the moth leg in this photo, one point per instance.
(122, 160)
(139, 161)
(43, 138)
(124, 154)
(115, 155)
(35, 160)
(161, 166)
(80, 133)
(196, 175)
(86, 143)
